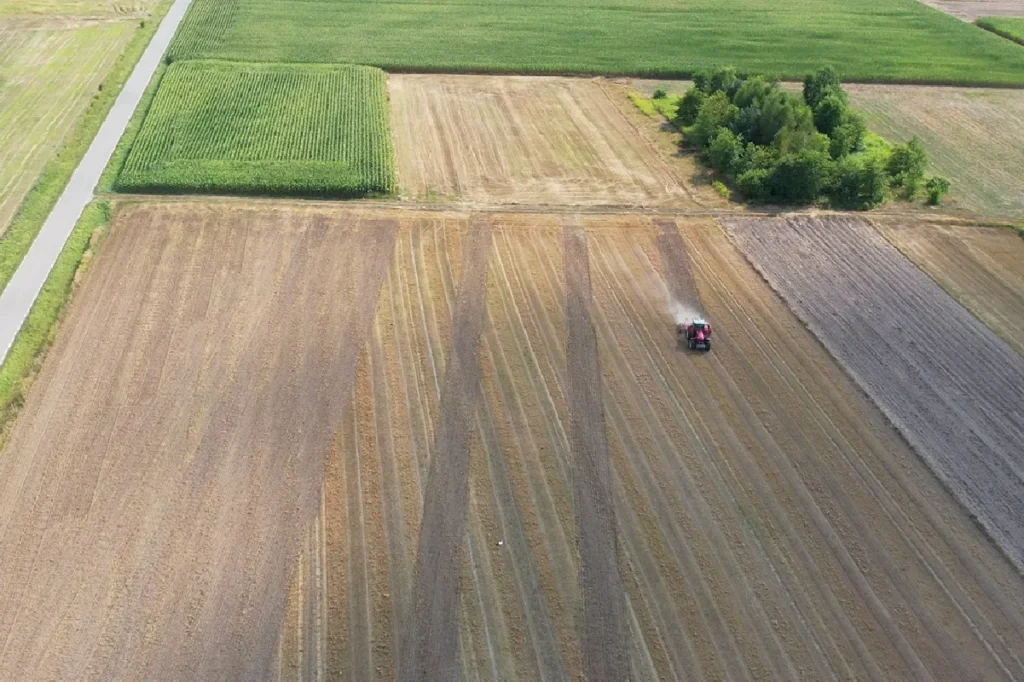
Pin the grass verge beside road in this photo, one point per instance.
(44, 194)
(26, 356)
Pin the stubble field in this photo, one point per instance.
(470, 419)
(49, 70)
(530, 140)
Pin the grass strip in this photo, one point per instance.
(55, 176)
(30, 347)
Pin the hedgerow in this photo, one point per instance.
(778, 147)
(218, 127)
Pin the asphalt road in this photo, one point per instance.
(21, 292)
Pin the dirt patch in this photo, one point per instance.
(529, 140)
(979, 267)
(946, 381)
(969, 10)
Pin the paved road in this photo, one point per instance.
(21, 292)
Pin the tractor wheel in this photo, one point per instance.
(707, 345)
(690, 344)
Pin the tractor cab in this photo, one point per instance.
(697, 334)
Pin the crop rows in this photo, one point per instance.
(868, 40)
(1011, 28)
(269, 129)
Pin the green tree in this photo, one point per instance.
(937, 187)
(690, 106)
(754, 185)
(860, 186)
(716, 112)
(830, 113)
(848, 137)
(825, 81)
(753, 91)
(907, 165)
(726, 154)
(725, 80)
(800, 178)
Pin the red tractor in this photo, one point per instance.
(697, 334)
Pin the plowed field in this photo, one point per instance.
(524, 140)
(945, 380)
(980, 267)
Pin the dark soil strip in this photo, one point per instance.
(676, 262)
(431, 652)
(603, 626)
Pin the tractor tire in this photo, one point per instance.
(691, 344)
(707, 345)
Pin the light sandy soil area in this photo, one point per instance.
(531, 140)
(982, 268)
(951, 386)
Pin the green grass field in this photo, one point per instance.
(1008, 27)
(312, 130)
(867, 40)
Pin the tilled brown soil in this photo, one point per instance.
(768, 521)
(951, 386)
(980, 267)
(532, 140)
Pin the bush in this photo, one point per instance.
(716, 112)
(724, 80)
(907, 165)
(936, 187)
(830, 113)
(660, 94)
(720, 187)
(689, 107)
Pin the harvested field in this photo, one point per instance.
(47, 77)
(975, 137)
(744, 514)
(532, 140)
(979, 267)
(951, 386)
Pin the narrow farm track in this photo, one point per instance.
(945, 380)
(768, 522)
(979, 267)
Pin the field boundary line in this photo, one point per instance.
(24, 287)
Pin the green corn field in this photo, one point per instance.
(309, 130)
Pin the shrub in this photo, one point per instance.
(937, 187)
(830, 113)
(720, 187)
(860, 185)
(689, 106)
(907, 165)
(724, 80)
(660, 93)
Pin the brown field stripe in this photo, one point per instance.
(431, 650)
(604, 631)
(676, 262)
